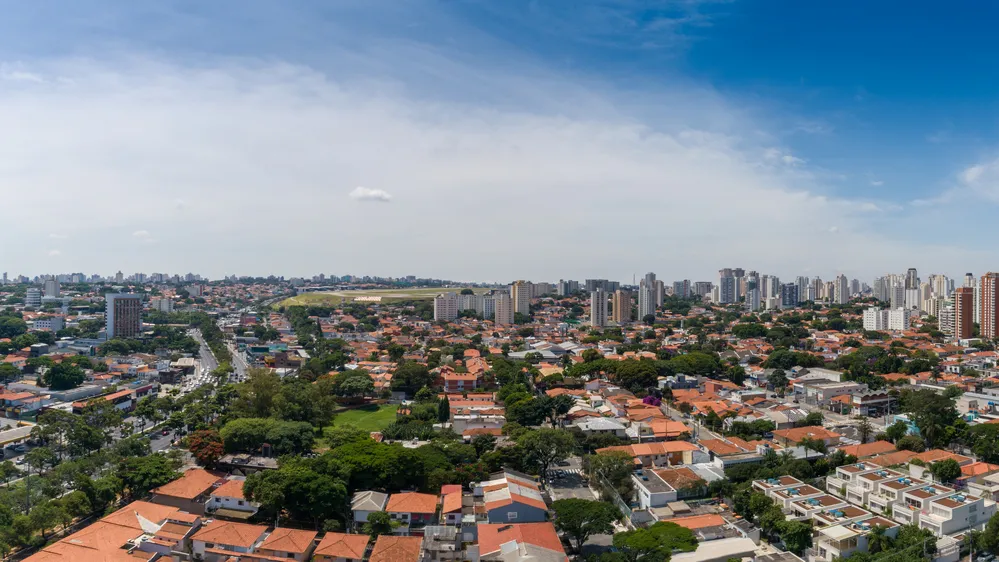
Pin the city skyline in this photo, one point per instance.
(174, 138)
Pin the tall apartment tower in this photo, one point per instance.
(503, 305)
(621, 305)
(841, 290)
(123, 315)
(989, 288)
(682, 288)
(964, 311)
(911, 279)
(520, 293)
(598, 308)
(647, 295)
(727, 286)
(446, 307)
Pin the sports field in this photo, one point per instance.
(373, 296)
(368, 418)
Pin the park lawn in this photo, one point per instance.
(373, 417)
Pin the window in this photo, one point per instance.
(209, 545)
(511, 515)
(240, 502)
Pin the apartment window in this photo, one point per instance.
(973, 508)
(209, 545)
(511, 515)
(240, 502)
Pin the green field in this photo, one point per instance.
(368, 418)
(333, 298)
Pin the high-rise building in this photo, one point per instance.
(841, 290)
(753, 299)
(702, 288)
(566, 288)
(964, 312)
(740, 283)
(647, 298)
(911, 279)
(123, 315)
(503, 305)
(520, 293)
(52, 287)
(607, 286)
(727, 287)
(119, 277)
(789, 295)
(896, 296)
(682, 289)
(875, 319)
(446, 307)
(946, 319)
(598, 308)
(33, 297)
(969, 280)
(899, 319)
(989, 287)
(660, 292)
(621, 306)
(803, 284)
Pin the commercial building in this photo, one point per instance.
(123, 315)
(682, 289)
(964, 312)
(52, 287)
(33, 297)
(789, 295)
(621, 307)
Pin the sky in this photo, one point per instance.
(492, 140)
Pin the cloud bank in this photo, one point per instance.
(237, 158)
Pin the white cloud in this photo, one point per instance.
(54, 236)
(264, 148)
(365, 194)
(877, 183)
(834, 229)
(54, 253)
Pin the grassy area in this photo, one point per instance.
(333, 298)
(368, 418)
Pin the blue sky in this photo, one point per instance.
(609, 137)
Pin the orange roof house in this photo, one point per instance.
(335, 546)
(533, 541)
(393, 548)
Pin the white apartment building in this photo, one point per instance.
(598, 308)
(840, 541)
(955, 513)
(897, 319)
(33, 297)
(520, 292)
(161, 304)
(503, 305)
(446, 307)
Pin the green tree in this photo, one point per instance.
(45, 516)
(796, 535)
(655, 543)
(411, 376)
(379, 523)
(139, 475)
(898, 430)
(544, 447)
(864, 428)
(946, 471)
(778, 381)
(615, 467)
(579, 519)
(878, 540)
(64, 376)
(912, 443)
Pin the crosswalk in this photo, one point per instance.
(564, 472)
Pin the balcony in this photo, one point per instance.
(836, 486)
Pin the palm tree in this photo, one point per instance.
(878, 540)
